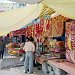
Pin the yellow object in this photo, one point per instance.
(46, 11)
(52, 42)
(69, 42)
(12, 52)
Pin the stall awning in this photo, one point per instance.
(17, 18)
(27, 1)
(64, 7)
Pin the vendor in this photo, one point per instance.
(2, 45)
(46, 44)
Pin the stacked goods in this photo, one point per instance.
(57, 48)
(12, 45)
(12, 48)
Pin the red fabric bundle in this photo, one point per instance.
(21, 51)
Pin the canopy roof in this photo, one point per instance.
(27, 1)
(16, 19)
(64, 7)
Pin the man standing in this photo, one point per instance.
(29, 48)
(2, 45)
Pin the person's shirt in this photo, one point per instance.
(29, 46)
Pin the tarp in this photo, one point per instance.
(17, 18)
(64, 7)
(27, 1)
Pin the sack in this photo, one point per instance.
(22, 58)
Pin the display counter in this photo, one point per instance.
(43, 58)
(67, 67)
(40, 59)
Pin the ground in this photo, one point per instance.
(17, 70)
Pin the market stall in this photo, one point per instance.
(70, 41)
(15, 49)
(51, 64)
(55, 35)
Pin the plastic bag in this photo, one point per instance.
(22, 58)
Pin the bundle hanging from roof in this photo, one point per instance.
(46, 11)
